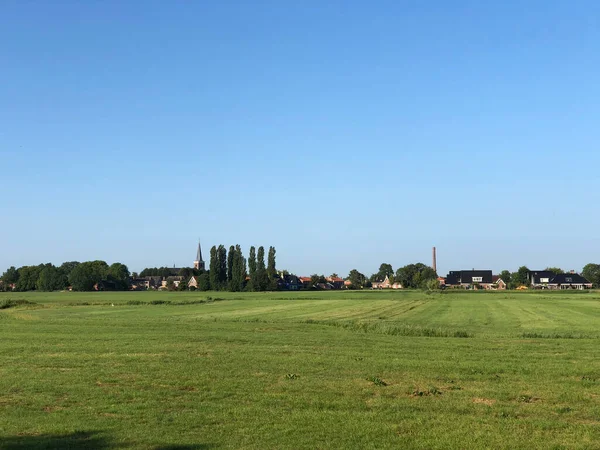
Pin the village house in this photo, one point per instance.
(336, 282)
(470, 279)
(544, 279)
(385, 284)
(287, 282)
(305, 281)
(539, 279)
(569, 281)
(498, 283)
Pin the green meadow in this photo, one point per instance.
(195, 370)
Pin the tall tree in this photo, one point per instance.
(222, 259)
(554, 270)
(271, 270)
(521, 276)
(506, 276)
(260, 258)
(252, 261)
(11, 275)
(316, 279)
(204, 282)
(238, 279)
(415, 276)
(28, 276)
(260, 282)
(214, 269)
(591, 272)
(230, 257)
(86, 275)
(385, 270)
(67, 267)
(357, 279)
(119, 274)
(50, 279)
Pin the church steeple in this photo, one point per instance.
(198, 263)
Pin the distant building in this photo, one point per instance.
(470, 279)
(385, 284)
(305, 281)
(288, 282)
(193, 282)
(539, 279)
(569, 281)
(544, 279)
(175, 279)
(336, 282)
(498, 283)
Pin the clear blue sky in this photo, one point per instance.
(344, 133)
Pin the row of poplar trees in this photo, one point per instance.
(228, 271)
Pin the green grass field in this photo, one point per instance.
(160, 370)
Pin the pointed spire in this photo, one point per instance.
(199, 253)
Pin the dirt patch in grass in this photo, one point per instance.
(484, 401)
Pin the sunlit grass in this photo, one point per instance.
(306, 370)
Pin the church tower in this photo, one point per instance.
(198, 263)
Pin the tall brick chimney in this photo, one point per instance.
(434, 261)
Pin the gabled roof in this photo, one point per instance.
(468, 276)
(536, 276)
(568, 278)
(334, 279)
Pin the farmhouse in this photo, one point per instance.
(385, 284)
(539, 279)
(470, 279)
(498, 283)
(569, 281)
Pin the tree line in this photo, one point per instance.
(81, 276)
(231, 271)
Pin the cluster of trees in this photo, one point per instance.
(411, 276)
(591, 272)
(230, 271)
(81, 276)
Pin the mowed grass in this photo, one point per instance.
(164, 370)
